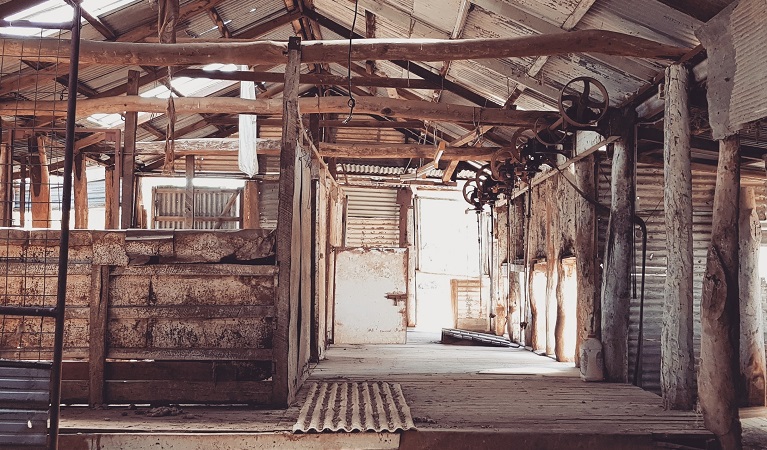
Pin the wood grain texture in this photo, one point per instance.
(677, 351)
(752, 357)
(272, 52)
(618, 256)
(718, 371)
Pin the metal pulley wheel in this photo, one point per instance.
(577, 105)
(549, 129)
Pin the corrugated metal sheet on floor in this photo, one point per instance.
(366, 406)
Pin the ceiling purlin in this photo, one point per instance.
(579, 11)
(215, 17)
(413, 67)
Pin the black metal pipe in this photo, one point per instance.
(66, 200)
(32, 311)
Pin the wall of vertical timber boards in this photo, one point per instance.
(649, 206)
(551, 238)
(187, 330)
(326, 232)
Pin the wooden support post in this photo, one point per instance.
(618, 253)
(404, 200)
(288, 240)
(128, 160)
(719, 315)
(81, 191)
(516, 251)
(6, 186)
(752, 359)
(677, 353)
(97, 348)
(111, 210)
(588, 306)
(23, 194)
(40, 184)
(251, 209)
(189, 193)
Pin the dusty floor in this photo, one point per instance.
(510, 392)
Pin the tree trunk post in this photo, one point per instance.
(286, 338)
(719, 313)
(40, 185)
(128, 162)
(677, 357)
(588, 308)
(618, 253)
(81, 191)
(752, 359)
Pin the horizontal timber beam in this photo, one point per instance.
(273, 52)
(409, 109)
(356, 150)
(309, 78)
(364, 150)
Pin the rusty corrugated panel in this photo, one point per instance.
(735, 41)
(268, 198)
(372, 232)
(365, 406)
(245, 14)
(209, 205)
(644, 18)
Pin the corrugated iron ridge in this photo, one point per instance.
(364, 406)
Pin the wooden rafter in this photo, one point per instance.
(219, 22)
(270, 52)
(365, 105)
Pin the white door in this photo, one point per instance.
(370, 296)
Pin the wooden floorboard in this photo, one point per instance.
(459, 387)
(485, 394)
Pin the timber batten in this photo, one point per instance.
(207, 326)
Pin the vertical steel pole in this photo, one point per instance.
(66, 200)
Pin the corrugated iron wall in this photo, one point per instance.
(214, 208)
(649, 206)
(268, 196)
(372, 218)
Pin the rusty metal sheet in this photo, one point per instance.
(366, 406)
(734, 41)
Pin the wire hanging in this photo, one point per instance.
(352, 102)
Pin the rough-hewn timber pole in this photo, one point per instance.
(516, 253)
(752, 359)
(80, 186)
(588, 306)
(6, 187)
(288, 240)
(719, 315)
(618, 253)
(272, 52)
(677, 358)
(128, 159)
(40, 188)
(409, 109)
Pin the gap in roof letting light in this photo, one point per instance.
(58, 12)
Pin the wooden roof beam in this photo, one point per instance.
(405, 109)
(271, 52)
